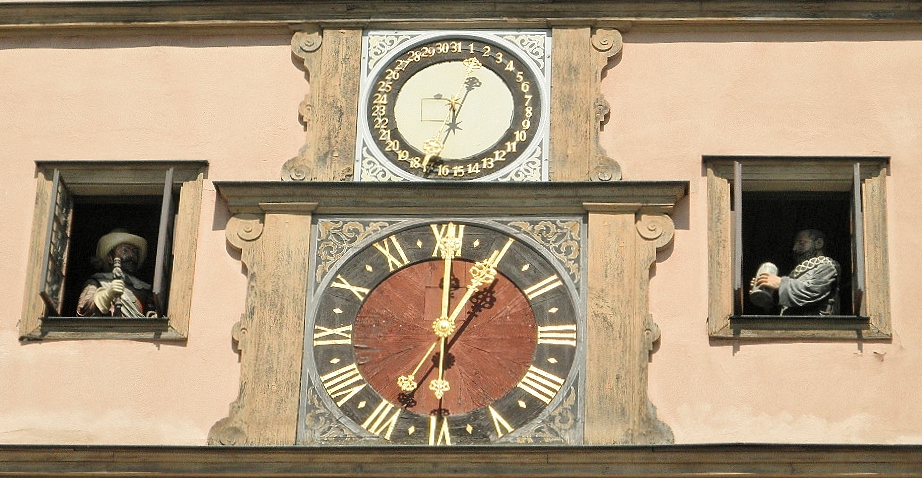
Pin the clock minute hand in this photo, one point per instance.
(482, 273)
(433, 147)
(449, 246)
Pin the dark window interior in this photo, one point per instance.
(95, 216)
(772, 219)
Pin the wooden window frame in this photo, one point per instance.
(113, 178)
(783, 174)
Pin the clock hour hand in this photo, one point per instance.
(482, 273)
(407, 383)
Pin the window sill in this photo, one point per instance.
(69, 328)
(844, 327)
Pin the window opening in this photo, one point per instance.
(96, 216)
(771, 220)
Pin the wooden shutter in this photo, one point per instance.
(164, 246)
(858, 279)
(57, 243)
(738, 292)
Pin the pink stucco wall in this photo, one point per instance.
(675, 94)
(228, 100)
(775, 91)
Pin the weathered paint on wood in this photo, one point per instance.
(270, 334)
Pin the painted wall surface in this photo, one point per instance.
(675, 95)
(679, 95)
(229, 100)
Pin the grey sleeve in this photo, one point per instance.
(814, 286)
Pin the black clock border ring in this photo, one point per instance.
(494, 158)
(505, 404)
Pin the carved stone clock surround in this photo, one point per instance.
(332, 57)
(627, 223)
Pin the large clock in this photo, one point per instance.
(461, 105)
(441, 331)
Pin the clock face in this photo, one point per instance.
(458, 106)
(443, 333)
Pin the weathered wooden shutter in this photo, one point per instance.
(738, 292)
(164, 246)
(57, 243)
(858, 279)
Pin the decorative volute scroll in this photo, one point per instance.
(331, 59)
(623, 241)
(578, 109)
(627, 223)
(273, 248)
(607, 43)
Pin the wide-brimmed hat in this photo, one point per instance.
(121, 236)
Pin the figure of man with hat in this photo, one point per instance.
(116, 292)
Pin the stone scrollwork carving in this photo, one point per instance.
(658, 228)
(306, 41)
(529, 170)
(560, 427)
(607, 40)
(380, 45)
(243, 228)
(373, 170)
(335, 238)
(303, 44)
(322, 427)
(608, 43)
(562, 239)
(532, 45)
(228, 431)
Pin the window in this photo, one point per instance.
(77, 202)
(756, 206)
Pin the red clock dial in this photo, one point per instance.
(486, 356)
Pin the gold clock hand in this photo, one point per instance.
(407, 383)
(449, 246)
(482, 273)
(439, 386)
(434, 146)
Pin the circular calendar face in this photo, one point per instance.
(454, 107)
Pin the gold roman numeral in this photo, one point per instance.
(551, 282)
(345, 334)
(382, 420)
(338, 382)
(393, 263)
(540, 384)
(499, 423)
(438, 434)
(447, 236)
(557, 334)
(359, 292)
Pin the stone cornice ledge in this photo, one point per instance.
(410, 13)
(253, 197)
(692, 461)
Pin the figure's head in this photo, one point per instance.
(808, 243)
(131, 249)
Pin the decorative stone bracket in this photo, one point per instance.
(331, 59)
(627, 222)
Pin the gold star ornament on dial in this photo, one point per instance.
(453, 105)
(443, 332)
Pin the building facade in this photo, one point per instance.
(647, 159)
